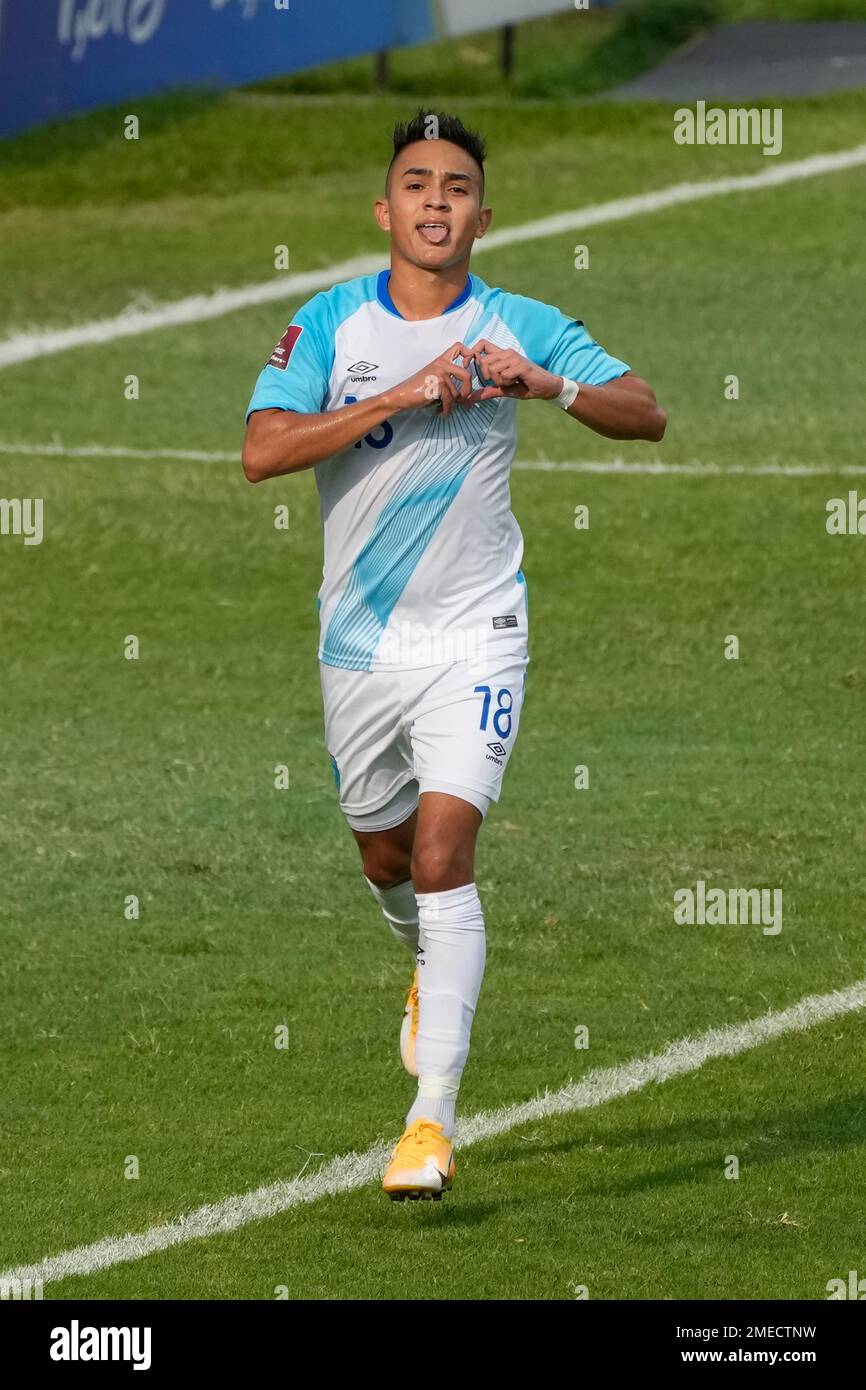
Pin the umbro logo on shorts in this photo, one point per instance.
(498, 749)
(509, 621)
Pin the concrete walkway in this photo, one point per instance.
(758, 59)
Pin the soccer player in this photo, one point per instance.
(401, 389)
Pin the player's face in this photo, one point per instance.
(433, 209)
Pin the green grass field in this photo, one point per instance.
(155, 1037)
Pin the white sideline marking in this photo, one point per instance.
(351, 1171)
(111, 451)
(693, 469)
(22, 347)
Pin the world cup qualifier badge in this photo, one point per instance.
(282, 352)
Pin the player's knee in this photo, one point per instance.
(386, 865)
(438, 866)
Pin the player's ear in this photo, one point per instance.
(382, 213)
(485, 217)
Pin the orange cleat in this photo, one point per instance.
(422, 1165)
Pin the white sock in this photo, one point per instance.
(400, 911)
(450, 971)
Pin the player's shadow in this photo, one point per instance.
(452, 1211)
(754, 1137)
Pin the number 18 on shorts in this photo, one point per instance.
(444, 728)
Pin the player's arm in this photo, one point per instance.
(285, 441)
(624, 408)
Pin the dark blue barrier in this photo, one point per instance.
(62, 56)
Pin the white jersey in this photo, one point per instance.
(422, 554)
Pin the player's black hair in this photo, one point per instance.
(438, 125)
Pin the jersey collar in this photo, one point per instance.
(384, 297)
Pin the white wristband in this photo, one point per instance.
(568, 395)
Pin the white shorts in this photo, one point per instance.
(391, 735)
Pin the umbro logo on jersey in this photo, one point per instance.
(498, 749)
(510, 620)
(360, 371)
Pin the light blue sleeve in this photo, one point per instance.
(560, 344)
(296, 375)
(576, 355)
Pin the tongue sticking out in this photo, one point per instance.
(434, 234)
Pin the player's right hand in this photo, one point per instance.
(441, 382)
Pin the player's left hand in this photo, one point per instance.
(511, 374)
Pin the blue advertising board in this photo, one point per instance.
(61, 56)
